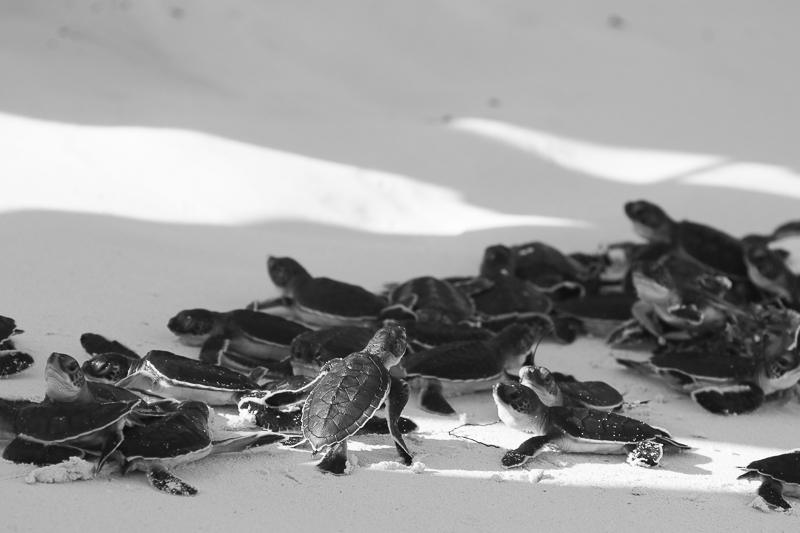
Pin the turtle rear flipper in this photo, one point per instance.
(109, 446)
(730, 399)
(335, 460)
(646, 454)
(379, 426)
(397, 399)
(95, 344)
(163, 481)
(431, 398)
(36, 453)
(525, 451)
(244, 442)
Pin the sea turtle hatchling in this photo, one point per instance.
(320, 302)
(181, 435)
(311, 350)
(66, 383)
(466, 367)
(167, 375)
(109, 361)
(348, 392)
(779, 475)
(575, 429)
(240, 339)
(568, 391)
(429, 299)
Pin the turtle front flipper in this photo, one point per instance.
(525, 451)
(431, 398)
(163, 481)
(36, 453)
(771, 491)
(733, 399)
(14, 362)
(110, 445)
(397, 399)
(335, 460)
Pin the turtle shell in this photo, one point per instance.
(261, 328)
(784, 467)
(181, 431)
(433, 300)
(601, 426)
(511, 296)
(68, 422)
(599, 314)
(456, 361)
(546, 267)
(189, 372)
(344, 399)
(706, 366)
(711, 248)
(328, 302)
(423, 335)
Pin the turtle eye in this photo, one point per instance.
(786, 362)
(72, 366)
(514, 395)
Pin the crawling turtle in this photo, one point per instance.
(167, 375)
(178, 437)
(465, 367)
(66, 383)
(723, 383)
(12, 361)
(48, 433)
(310, 351)
(500, 297)
(239, 339)
(348, 392)
(320, 302)
(709, 248)
(557, 389)
(779, 475)
(575, 429)
(429, 299)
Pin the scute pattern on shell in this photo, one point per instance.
(598, 425)
(784, 467)
(344, 399)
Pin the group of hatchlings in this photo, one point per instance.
(718, 314)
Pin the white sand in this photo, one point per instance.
(112, 109)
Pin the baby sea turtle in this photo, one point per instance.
(48, 433)
(429, 299)
(240, 339)
(66, 383)
(310, 351)
(466, 367)
(779, 475)
(553, 272)
(500, 297)
(320, 302)
(724, 384)
(348, 392)
(12, 361)
(708, 247)
(556, 390)
(181, 435)
(167, 375)
(575, 429)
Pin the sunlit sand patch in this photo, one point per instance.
(180, 176)
(638, 166)
(629, 165)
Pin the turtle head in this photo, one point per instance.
(193, 326)
(652, 281)
(106, 368)
(65, 380)
(388, 343)
(767, 269)
(650, 221)
(782, 371)
(542, 382)
(284, 271)
(497, 260)
(519, 407)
